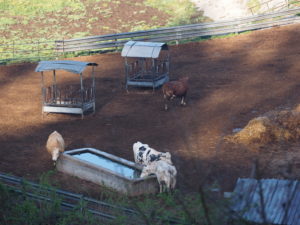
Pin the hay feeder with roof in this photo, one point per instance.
(146, 64)
(67, 93)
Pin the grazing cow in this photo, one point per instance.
(174, 89)
(165, 173)
(144, 155)
(55, 145)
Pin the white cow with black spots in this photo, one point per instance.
(144, 155)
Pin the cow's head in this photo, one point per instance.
(147, 171)
(167, 158)
(55, 154)
(139, 146)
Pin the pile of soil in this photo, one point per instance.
(273, 127)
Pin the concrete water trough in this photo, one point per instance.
(108, 170)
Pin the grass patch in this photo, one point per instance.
(254, 5)
(181, 11)
(195, 208)
(4, 21)
(33, 8)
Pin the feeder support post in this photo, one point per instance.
(82, 93)
(153, 73)
(168, 63)
(126, 73)
(93, 89)
(54, 84)
(43, 92)
(93, 79)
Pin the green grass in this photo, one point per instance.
(181, 11)
(18, 209)
(33, 8)
(66, 19)
(254, 5)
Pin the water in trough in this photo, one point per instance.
(109, 164)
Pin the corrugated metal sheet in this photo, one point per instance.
(71, 66)
(143, 49)
(269, 201)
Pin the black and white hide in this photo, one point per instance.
(144, 155)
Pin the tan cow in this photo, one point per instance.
(55, 145)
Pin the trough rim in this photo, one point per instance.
(126, 162)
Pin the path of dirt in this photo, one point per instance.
(232, 80)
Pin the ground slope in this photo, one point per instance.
(232, 80)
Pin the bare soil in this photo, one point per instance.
(232, 80)
(95, 18)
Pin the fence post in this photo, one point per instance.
(13, 49)
(54, 49)
(63, 48)
(38, 50)
(116, 44)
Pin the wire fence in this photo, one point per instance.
(104, 211)
(27, 51)
(36, 51)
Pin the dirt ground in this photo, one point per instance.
(232, 80)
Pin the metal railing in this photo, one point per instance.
(112, 42)
(27, 51)
(102, 210)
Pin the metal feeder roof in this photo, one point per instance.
(68, 65)
(143, 49)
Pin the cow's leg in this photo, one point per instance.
(182, 101)
(166, 102)
(160, 187)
